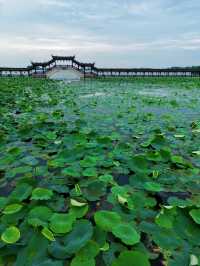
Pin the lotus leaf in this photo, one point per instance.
(61, 223)
(107, 220)
(10, 235)
(13, 208)
(132, 258)
(79, 236)
(41, 194)
(126, 233)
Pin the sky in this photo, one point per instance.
(111, 33)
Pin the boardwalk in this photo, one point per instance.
(41, 69)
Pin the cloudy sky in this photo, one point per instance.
(151, 33)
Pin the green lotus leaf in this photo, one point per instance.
(77, 203)
(90, 250)
(39, 215)
(3, 202)
(174, 201)
(30, 160)
(19, 170)
(165, 220)
(58, 251)
(50, 262)
(158, 141)
(196, 153)
(79, 236)
(73, 171)
(153, 186)
(106, 178)
(51, 135)
(139, 164)
(99, 236)
(48, 234)
(79, 212)
(35, 222)
(107, 219)
(34, 252)
(90, 172)
(12, 208)
(94, 190)
(178, 159)
(132, 258)
(21, 192)
(61, 223)
(82, 261)
(126, 233)
(195, 214)
(11, 235)
(41, 194)
(89, 161)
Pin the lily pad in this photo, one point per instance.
(13, 208)
(195, 214)
(79, 236)
(61, 223)
(21, 192)
(11, 235)
(82, 261)
(126, 233)
(132, 258)
(39, 215)
(94, 190)
(153, 186)
(107, 219)
(41, 194)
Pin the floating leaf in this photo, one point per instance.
(11, 235)
(126, 233)
(152, 186)
(12, 208)
(41, 194)
(73, 171)
(82, 261)
(79, 236)
(132, 258)
(30, 160)
(122, 200)
(90, 172)
(106, 178)
(77, 203)
(195, 214)
(48, 234)
(58, 250)
(178, 159)
(89, 161)
(94, 190)
(90, 250)
(179, 136)
(79, 212)
(105, 247)
(39, 215)
(3, 202)
(21, 192)
(196, 152)
(194, 261)
(50, 262)
(139, 164)
(61, 223)
(164, 220)
(107, 219)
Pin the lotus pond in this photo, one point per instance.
(101, 172)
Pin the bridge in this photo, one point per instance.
(68, 68)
